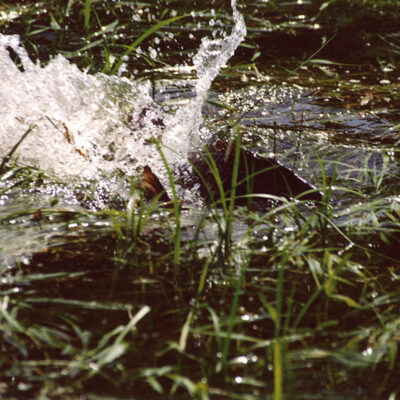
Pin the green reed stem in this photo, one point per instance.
(278, 362)
(229, 218)
(86, 13)
(140, 39)
(278, 370)
(13, 150)
(233, 312)
(177, 211)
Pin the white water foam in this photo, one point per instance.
(211, 57)
(83, 123)
(78, 118)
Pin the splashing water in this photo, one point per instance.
(76, 116)
(89, 126)
(86, 128)
(212, 55)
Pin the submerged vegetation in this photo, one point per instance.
(148, 300)
(299, 299)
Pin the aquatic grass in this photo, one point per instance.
(177, 212)
(86, 12)
(87, 32)
(9, 155)
(327, 276)
(86, 360)
(219, 199)
(311, 59)
(139, 210)
(229, 215)
(329, 267)
(68, 27)
(140, 39)
(231, 322)
(277, 346)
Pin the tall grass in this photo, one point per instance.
(296, 303)
(176, 205)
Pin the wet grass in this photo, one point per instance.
(299, 299)
(132, 301)
(99, 36)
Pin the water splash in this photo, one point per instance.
(211, 57)
(91, 125)
(79, 119)
(88, 127)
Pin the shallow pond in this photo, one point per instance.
(104, 296)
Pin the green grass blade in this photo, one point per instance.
(142, 37)
(233, 193)
(87, 12)
(278, 371)
(15, 147)
(233, 312)
(177, 212)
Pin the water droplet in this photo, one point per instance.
(242, 360)
(94, 366)
(367, 352)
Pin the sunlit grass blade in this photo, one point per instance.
(232, 315)
(140, 39)
(229, 217)
(7, 158)
(177, 212)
